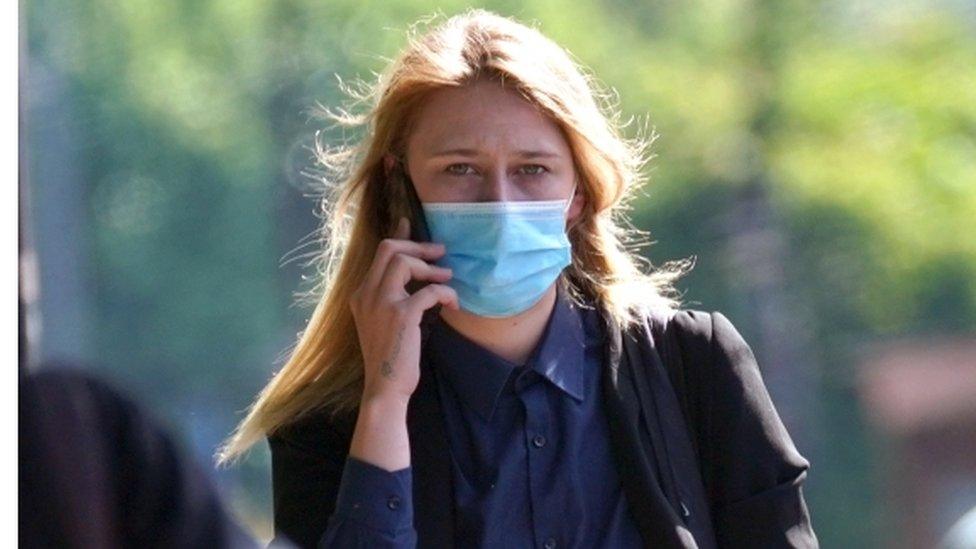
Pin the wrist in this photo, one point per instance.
(384, 403)
(381, 436)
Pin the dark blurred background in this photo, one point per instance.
(817, 158)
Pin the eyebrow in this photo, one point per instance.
(473, 152)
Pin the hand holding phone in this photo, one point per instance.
(418, 233)
(391, 321)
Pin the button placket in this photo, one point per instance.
(536, 402)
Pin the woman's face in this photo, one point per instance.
(484, 142)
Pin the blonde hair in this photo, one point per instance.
(325, 369)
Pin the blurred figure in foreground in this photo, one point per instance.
(97, 471)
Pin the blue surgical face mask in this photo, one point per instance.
(504, 255)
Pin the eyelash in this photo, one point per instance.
(544, 171)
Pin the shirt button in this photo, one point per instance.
(550, 543)
(539, 441)
(393, 502)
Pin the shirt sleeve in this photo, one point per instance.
(374, 508)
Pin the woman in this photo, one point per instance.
(482, 409)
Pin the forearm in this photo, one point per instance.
(380, 436)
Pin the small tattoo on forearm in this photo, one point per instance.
(386, 368)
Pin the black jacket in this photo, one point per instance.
(703, 456)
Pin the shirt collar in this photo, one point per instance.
(479, 375)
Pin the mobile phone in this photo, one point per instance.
(418, 233)
(415, 212)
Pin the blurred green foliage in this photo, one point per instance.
(858, 120)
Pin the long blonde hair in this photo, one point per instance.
(325, 369)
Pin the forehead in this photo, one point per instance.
(484, 116)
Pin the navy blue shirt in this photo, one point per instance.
(530, 449)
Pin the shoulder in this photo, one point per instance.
(75, 389)
(719, 360)
(709, 343)
(63, 398)
(704, 328)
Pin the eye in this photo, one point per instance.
(459, 169)
(454, 172)
(542, 169)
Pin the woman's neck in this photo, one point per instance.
(512, 338)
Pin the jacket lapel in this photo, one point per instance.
(433, 485)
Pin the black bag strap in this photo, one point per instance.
(664, 376)
(672, 344)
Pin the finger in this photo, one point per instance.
(403, 268)
(431, 295)
(389, 247)
(399, 242)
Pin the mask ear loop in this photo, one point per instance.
(569, 203)
(562, 276)
(572, 195)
